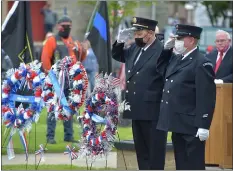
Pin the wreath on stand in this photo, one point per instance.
(20, 119)
(102, 108)
(65, 75)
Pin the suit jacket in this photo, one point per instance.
(189, 94)
(225, 70)
(144, 83)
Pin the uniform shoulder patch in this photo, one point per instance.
(208, 64)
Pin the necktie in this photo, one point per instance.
(218, 62)
(141, 52)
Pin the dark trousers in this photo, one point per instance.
(150, 145)
(68, 125)
(189, 152)
(68, 128)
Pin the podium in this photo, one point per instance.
(219, 145)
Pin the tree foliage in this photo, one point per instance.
(216, 9)
(114, 7)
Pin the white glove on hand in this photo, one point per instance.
(203, 134)
(124, 35)
(218, 81)
(169, 44)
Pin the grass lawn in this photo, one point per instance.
(49, 167)
(37, 136)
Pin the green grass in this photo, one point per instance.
(48, 167)
(37, 136)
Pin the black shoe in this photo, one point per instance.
(51, 141)
(72, 141)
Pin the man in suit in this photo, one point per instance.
(143, 91)
(221, 57)
(188, 99)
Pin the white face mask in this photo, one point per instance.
(179, 46)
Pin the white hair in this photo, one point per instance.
(224, 32)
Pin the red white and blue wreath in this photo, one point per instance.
(65, 74)
(20, 119)
(102, 108)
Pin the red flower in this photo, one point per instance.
(17, 75)
(89, 108)
(5, 109)
(76, 91)
(78, 77)
(7, 89)
(38, 92)
(97, 141)
(103, 134)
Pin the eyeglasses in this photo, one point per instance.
(220, 41)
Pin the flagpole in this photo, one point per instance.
(92, 16)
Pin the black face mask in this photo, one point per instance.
(139, 41)
(65, 34)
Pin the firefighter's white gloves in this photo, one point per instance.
(169, 44)
(124, 34)
(203, 134)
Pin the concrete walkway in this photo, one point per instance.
(61, 159)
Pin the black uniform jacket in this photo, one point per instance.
(189, 94)
(144, 83)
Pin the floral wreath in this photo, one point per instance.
(20, 119)
(65, 74)
(102, 107)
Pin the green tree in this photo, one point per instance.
(114, 7)
(216, 9)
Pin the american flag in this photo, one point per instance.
(115, 82)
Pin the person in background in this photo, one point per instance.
(90, 64)
(50, 18)
(55, 48)
(221, 57)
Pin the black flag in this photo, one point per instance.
(99, 38)
(17, 34)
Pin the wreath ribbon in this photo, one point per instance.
(58, 92)
(10, 146)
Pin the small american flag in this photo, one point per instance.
(115, 82)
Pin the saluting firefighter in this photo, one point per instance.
(55, 48)
(143, 91)
(188, 100)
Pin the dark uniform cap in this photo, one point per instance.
(143, 23)
(64, 18)
(188, 30)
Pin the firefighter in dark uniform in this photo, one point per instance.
(55, 48)
(188, 100)
(143, 91)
